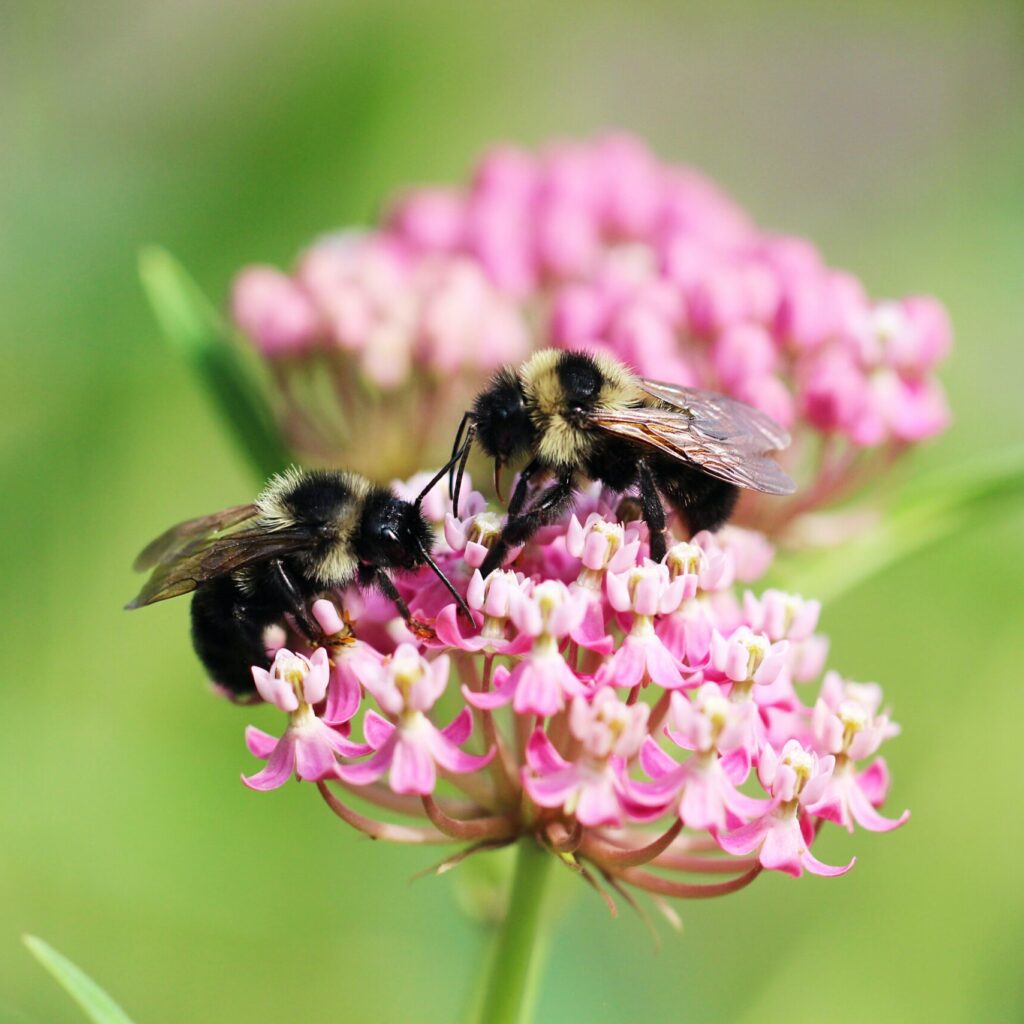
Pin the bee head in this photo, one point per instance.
(392, 533)
(503, 425)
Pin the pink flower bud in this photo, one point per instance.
(430, 219)
(273, 312)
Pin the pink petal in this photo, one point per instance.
(446, 626)
(314, 759)
(377, 729)
(278, 769)
(736, 765)
(343, 695)
(369, 771)
(597, 804)
(505, 683)
(661, 666)
(745, 839)
(626, 668)
(654, 760)
(783, 846)
(590, 632)
(412, 770)
(742, 806)
(541, 755)
(460, 727)
(537, 692)
(261, 744)
(874, 781)
(341, 745)
(551, 790)
(701, 806)
(815, 866)
(865, 814)
(449, 756)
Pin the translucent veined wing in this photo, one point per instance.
(207, 557)
(172, 542)
(720, 416)
(740, 458)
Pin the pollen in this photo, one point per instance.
(684, 559)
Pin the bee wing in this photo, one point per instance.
(178, 538)
(207, 558)
(720, 416)
(740, 458)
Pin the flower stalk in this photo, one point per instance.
(518, 954)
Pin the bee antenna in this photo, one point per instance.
(446, 468)
(436, 569)
(466, 448)
(467, 427)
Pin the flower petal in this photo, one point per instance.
(368, 771)
(412, 770)
(261, 744)
(314, 758)
(816, 867)
(278, 769)
(551, 790)
(376, 729)
(865, 814)
(459, 728)
(541, 756)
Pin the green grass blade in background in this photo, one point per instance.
(95, 1003)
(201, 337)
(934, 509)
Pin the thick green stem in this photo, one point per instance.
(521, 945)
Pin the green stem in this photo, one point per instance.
(518, 954)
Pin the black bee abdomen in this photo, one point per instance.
(227, 633)
(703, 502)
(502, 421)
(580, 378)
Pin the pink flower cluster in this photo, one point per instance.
(599, 245)
(646, 721)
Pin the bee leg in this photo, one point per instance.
(296, 603)
(550, 504)
(515, 506)
(653, 511)
(370, 575)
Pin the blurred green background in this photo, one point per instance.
(232, 132)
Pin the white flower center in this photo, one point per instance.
(684, 559)
(485, 529)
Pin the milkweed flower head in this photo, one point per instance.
(598, 245)
(649, 723)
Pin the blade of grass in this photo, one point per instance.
(200, 336)
(936, 508)
(95, 1003)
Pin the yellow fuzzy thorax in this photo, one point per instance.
(338, 564)
(561, 442)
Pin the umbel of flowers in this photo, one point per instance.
(657, 726)
(594, 245)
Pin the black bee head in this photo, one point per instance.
(393, 534)
(503, 425)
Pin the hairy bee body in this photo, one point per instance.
(308, 533)
(577, 414)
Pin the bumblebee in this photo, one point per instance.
(579, 414)
(307, 533)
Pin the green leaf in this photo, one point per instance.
(939, 506)
(95, 1003)
(198, 333)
